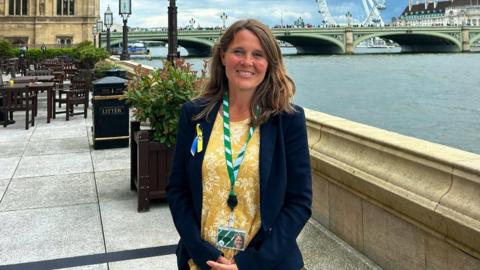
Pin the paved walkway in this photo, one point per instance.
(61, 201)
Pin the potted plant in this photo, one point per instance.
(156, 98)
(102, 67)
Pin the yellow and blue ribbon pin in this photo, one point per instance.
(197, 145)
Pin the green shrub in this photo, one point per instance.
(101, 68)
(6, 50)
(157, 96)
(89, 55)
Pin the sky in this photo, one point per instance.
(153, 13)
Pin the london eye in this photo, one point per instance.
(371, 8)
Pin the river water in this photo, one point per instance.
(435, 97)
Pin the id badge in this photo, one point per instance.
(231, 238)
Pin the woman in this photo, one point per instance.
(241, 162)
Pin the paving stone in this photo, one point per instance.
(125, 228)
(3, 187)
(12, 149)
(11, 134)
(111, 159)
(50, 233)
(49, 191)
(167, 262)
(60, 121)
(36, 166)
(61, 146)
(114, 185)
(8, 165)
(52, 132)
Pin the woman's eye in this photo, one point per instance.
(238, 52)
(258, 55)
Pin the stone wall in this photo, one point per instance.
(42, 25)
(403, 202)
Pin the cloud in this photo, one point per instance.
(153, 13)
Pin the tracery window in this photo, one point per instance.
(17, 7)
(65, 7)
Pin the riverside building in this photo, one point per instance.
(37, 22)
(440, 13)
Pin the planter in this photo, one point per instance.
(150, 166)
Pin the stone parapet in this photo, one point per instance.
(403, 202)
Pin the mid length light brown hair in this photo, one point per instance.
(274, 92)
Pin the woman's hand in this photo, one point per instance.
(222, 266)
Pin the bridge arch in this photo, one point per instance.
(314, 44)
(418, 41)
(196, 46)
(474, 38)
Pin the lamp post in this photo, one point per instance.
(100, 30)
(224, 18)
(125, 10)
(108, 18)
(348, 15)
(94, 32)
(172, 32)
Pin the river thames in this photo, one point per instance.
(435, 97)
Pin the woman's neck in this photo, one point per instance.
(239, 105)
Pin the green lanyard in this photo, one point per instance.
(232, 167)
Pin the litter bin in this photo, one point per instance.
(110, 113)
(117, 73)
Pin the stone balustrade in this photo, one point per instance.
(405, 203)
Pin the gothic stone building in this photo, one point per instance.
(37, 22)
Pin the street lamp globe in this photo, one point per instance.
(108, 18)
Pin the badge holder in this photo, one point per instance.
(231, 238)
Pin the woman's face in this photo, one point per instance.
(238, 242)
(245, 62)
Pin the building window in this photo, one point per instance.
(17, 7)
(64, 41)
(65, 7)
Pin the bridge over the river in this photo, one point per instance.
(340, 40)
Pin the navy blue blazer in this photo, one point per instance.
(285, 192)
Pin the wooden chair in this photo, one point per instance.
(77, 94)
(40, 72)
(60, 95)
(14, 100)
(70, 70)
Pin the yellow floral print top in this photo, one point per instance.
(216, 185)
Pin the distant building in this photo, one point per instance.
(36, 22)
(440, 13)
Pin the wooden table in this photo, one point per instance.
(27, 79)
(38, 87)
(49, 87)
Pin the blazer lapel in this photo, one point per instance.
(206, 125)
(268, 136)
